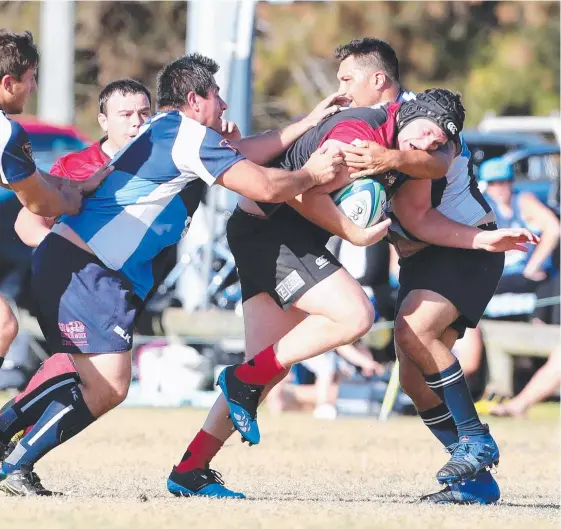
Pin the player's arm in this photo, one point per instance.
(31, 228)
(320, 209)
(412, 206)
(277, 185)
(372, 158)
(543, 218)
(317, 205)
(215, 160)
(263, 148)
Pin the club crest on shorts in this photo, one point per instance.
(291, 284)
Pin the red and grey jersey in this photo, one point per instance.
(364, 123)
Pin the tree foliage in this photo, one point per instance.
(503, 56)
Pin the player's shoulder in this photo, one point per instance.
(10, 130)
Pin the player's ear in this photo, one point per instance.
(102, 120)
(379, 79)
(192, 100)
(6, 83)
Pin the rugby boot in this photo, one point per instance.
(242, 399)
(471, 455)
(200, 482)
(24, 482)
(483, 490)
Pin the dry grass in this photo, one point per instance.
(345, 474)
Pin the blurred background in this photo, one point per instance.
(276, 63)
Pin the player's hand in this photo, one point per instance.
(505, 239)
(230, 131)
(534, 275)
(331, 104)
(324, 164)
(367, 157)
(72, 199)
(372, 235)
(94, 181)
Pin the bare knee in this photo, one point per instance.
(358, 321)
(409, 336)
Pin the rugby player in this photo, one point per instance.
(39, 191)
(113, 249)
(442, 290)
(283, 264)
(124, 106)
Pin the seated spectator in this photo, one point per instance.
(543, 384)
(527, 276)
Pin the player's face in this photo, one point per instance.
(359, 83)
(125, 114)
(500, 191)
(421, 134)
(18, 90)
(211, 109)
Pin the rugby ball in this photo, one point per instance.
(362, 201)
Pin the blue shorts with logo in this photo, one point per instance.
(83, 306)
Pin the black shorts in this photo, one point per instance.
(283, 256)
(466, 278)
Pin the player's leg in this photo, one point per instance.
(437, 417)
(443, 287)
(105, 379)
(85, 310)
(264, 322)
(339, 313)
(8, 328)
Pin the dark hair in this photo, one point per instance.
(371, 52)
(123, 87)
(191, 73)
(18, 53)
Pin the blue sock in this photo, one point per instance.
(440, 422)
(65, 416)
(451, 386)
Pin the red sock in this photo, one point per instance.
(200, 452)
(262, 369)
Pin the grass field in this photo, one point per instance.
(347, 474)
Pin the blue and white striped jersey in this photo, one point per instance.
(16, 158)
(146, 204)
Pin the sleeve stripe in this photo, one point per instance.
(5, 135)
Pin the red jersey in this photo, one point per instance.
(82, 164)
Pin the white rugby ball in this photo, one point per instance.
(362, 201)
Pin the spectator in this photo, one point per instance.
(543, 384)
(526, 275)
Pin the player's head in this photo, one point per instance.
(368, 67)
(425, 123)
(124, 105)
(19, 59)
(498, 176)
(188, 84)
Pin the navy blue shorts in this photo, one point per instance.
(83, 306)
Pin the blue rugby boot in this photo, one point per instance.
(483, 490)
(242, 399)
(200, 482)
(471, 455)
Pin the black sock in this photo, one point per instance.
(66, 416)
